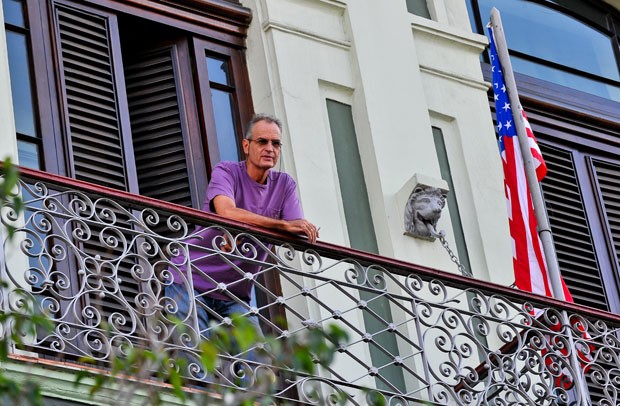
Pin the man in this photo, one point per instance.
(251, 192)
(261, 145)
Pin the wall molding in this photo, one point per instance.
(464, 80)
(282, 27)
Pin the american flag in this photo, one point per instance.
(529, 263)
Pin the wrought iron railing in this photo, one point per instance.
(98, 261)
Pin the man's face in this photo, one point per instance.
(260, 149)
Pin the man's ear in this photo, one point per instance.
(245, 144)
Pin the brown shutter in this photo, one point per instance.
(608, 177)
(156, 124)
(92, 98)
(570, 228)
(97, 130)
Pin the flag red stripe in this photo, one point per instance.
(539, 162)
(528, 260)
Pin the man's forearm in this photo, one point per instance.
(245, 216)
(225, 207)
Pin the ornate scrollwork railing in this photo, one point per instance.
(99, 262)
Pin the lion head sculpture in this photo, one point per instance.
(422, 212)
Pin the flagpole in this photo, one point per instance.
(544, 229)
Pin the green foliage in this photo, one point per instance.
(26, 320)
(375, 398)
(8, 197)
(16, 326)
(135, 367)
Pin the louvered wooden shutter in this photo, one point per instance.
(96, 131)
(93, 117)
(570, 228)
(608, 178)
(608, 183)
(156, 124)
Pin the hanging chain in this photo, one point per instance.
(464, 271)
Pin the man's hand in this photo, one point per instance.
(302, 227)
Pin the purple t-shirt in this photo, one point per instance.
(277, 198)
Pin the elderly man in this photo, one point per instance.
(249, 191)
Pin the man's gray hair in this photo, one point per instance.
(261, 117)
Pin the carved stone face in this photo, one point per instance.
(429, 208)
(423, 211)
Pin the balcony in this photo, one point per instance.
(98, 261)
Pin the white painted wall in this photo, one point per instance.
(11, 256)
(401, 74)
(8, 142)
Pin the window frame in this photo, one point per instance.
(202, 48)
(225, 36)
(220, 27)
(611, 28)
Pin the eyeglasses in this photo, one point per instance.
(277, 144)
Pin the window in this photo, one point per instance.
(582, 207)
(145, 98)
(222, 98)
(135, 95)
(581, 202)
(571, 44)
(418, 7)
(26, 123)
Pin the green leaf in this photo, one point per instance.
(80, 376)
(244, 333)
(4, 350)
(302, 360)
(208, 355)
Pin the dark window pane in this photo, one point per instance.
(539, 31)
(351, 174)
(225, 125)
(455, 215)
(584, 9)
(14, 12)
(418, 7)
(472, 16)
(218, 71)
(28, 154)
(21, 84)
(560, 77)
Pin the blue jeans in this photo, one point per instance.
(209, 309)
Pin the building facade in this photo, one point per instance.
(377, 98)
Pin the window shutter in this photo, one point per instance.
(95, 105)
(91, 110)
(570, 228)
(156, 124)
(608, 177)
